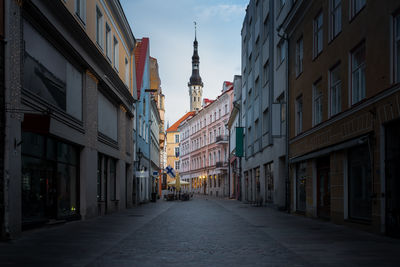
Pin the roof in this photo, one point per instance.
(175, 126)
(140, 52)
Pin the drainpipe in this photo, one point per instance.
(287, 127)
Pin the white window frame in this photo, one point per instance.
(335, 18)
(317, 103)
(176, 138)
(116, 53)
(99, 27)
(80, 10)
(335, 92)
(108, 42)
(357, 94)
(318, 34)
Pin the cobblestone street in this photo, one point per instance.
(200, 232)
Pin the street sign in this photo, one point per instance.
(155, 173)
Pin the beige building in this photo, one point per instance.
(172, 144)
(344, 112)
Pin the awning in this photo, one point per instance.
(327, 150)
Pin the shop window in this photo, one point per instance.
(301, 180)
(359, 183)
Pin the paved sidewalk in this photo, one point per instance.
(202, 232)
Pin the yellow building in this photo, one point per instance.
(172, 141)
(114, 42)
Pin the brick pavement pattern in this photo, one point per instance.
(202, 232)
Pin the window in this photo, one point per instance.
(317, 102)
(266, 72)
(299, 115)
(356, 6)
(107, 117)
(127, 72)
(396, 48)
(108, 42)
(266, 28)
(226, 108)
(265, 121)
(318, 35)
(269, 181)
(335, 90)
(358, 74)
(299, 56)
(176, 152)
(80, 9)
(177, 138)
(116, 54)
(335, 17)
(99, 28)
(113, 180)
(49, 75)
(177, 165)
(359, 182)
(281, 52)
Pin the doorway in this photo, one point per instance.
(392, 174)
(323, 188)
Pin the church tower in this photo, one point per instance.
(195, 84)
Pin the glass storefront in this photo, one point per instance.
(49, 179)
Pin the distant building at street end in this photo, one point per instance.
(195, 83)
(204, 149)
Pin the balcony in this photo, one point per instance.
(221, 164)
(221, 139)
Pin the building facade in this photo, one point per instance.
(235, 141)
(70, 93)
(204, 146)
(344, 144)
(263, 98)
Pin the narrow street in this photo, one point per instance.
(205, 231)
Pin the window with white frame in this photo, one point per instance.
(108, 42)
(177, 138)
(177, 165)
(299, 56)
(99, 27)
(396, 48)
(177, 151)
(318, 35)
(127, 72)
(356, 6)
(335, 18)
(116, 54)
(226, 109)
(358, 74)
(317, 102)
(299, 115)
(80, 9)
(335, 85)
(266, 28)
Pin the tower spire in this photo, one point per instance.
(195, 84)
(195, 30)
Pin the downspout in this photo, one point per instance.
(287, 127)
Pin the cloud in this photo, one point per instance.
(225, 12)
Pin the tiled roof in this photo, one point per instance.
(140, 52)
(175, 126)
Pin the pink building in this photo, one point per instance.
(204, 147)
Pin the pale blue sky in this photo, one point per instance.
(169, 25)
